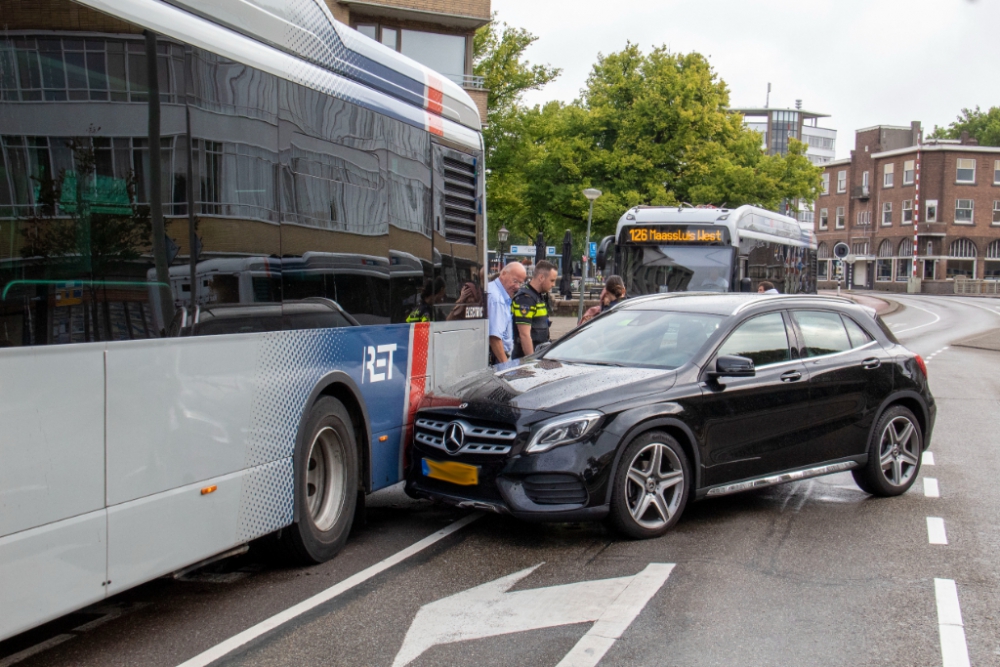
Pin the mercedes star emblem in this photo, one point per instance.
(454, 437)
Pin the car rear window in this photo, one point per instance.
(823, 332)
(856, 333)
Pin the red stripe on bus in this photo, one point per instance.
(435, 96)
(435, 125)
(418, 379)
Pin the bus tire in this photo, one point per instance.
(326, 484)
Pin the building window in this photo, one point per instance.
(842, 181)
(908, 171)
(840, 217)
(864, 180)
(904, 264)
(962, 259)
(931, 211)
(823, 263)
(991, 270)
(883, 266)
(859, 248)
(963, 211)
(965, 171)
(996, 212)
(441, 52)
(864, 218)
(824, 217)
(887, 174)
(886, 214)
(907, 211)
(826, 183)
(996, 172)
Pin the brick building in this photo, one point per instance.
(870, 202)
(435, 33)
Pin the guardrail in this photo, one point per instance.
(469, 81)
(965, 286)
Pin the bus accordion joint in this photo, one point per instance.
(209, 489)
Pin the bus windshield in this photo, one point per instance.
(668, 268)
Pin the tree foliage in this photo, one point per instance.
(983, 125)
(651, 129)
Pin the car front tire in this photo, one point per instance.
(894, 454)
(651, 486)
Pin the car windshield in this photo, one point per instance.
(629, 337)
(656, 269)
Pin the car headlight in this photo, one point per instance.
(563, 430)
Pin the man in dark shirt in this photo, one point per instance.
(530, 311)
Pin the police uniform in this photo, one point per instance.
(421, 313)
(530, 307)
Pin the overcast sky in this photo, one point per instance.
(863, 62)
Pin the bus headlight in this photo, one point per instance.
(563, 430)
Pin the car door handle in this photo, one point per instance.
(872, 363)
(791, 376)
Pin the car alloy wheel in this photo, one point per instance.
(655, 487)
(899, 451)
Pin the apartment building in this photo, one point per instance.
(777, 126)
(871, 201)
(435, 33)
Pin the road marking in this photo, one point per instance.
(490, 610)
(236, 641)
(931, 489)
(935, 530)
(15, 658)
(927, 458)
(937, 318)
(954, 651)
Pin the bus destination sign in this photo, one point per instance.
(681, 234)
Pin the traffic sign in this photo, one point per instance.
(841, 250)
(593, 250)
(489, 610)
(529, 250)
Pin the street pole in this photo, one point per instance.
(591, 194)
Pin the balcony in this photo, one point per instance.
(861, 192)
(460, 14)
(932, 229)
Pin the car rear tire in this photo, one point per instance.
(894, 454)
(326, 484)
(651, 486)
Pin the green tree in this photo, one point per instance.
(650, 129)
(983, 125)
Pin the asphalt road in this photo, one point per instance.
(810, 573)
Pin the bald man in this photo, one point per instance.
(498, 294)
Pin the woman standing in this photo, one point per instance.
(613, 292)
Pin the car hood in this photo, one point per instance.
(549, 386)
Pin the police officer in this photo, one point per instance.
(530, 311)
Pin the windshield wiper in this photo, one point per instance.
(593, 363)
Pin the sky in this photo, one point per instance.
(863, 62)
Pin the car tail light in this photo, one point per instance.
(921, 365)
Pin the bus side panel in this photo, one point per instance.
(458, 347)
(161, 533)
(51, 434)
(52, 570)
(178, 412)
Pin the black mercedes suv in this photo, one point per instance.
(670, 398)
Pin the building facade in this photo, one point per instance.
(435, 33)
(778, 126)
(871, 202)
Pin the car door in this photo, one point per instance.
(751, 423)
(847, 377)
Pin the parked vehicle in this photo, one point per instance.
(667, 399)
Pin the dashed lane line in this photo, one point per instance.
(927, 458)
(220, 650)
(935, 530)
(931, 489)
(954, 650)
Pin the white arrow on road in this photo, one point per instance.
(489, 610)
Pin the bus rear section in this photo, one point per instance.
(705, 249)
(209, 250)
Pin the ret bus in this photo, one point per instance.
(660, 249)
(332, 193)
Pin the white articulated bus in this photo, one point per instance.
(682, 249)
(234, 238)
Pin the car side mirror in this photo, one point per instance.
(734, 367)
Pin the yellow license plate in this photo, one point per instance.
(451, 471)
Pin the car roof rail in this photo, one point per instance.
(794, 297)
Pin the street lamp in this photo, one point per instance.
(591, 194)
(502, 236)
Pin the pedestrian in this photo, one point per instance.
(498, 310)
(613, 292)
(433, 292)
(530, 312)
(766, 287)
(470, 302)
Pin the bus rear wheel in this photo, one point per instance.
(326, 484)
